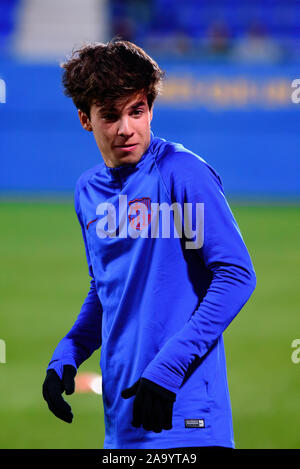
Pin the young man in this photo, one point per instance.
(169, 269)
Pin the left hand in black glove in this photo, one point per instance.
(152, 406)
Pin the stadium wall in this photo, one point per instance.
(241, 119)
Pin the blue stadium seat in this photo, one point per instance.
(7, 22)
(280, 18)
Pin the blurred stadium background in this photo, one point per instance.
(230, 67)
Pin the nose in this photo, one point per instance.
(124, 129)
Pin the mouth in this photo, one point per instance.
(128, 147)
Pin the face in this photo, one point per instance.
(122, 133)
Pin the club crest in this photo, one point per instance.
(139, 213)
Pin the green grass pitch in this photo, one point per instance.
(44, 280)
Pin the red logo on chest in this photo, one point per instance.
(92, 221)
(139, 213)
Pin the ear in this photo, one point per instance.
(85, 121)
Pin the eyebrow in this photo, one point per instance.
(115, 111)
(138, 104)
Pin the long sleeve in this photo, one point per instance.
(223, 253)
(85, 335)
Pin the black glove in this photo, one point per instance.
(53, 388)
(152, 406)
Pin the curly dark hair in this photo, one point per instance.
(107, 73)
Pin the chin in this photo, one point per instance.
(129, 159)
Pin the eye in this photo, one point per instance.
(110, 117)
(137, 112)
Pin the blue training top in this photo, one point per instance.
(169, 271)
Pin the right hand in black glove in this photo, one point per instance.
(53, 388)
(152, 406)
